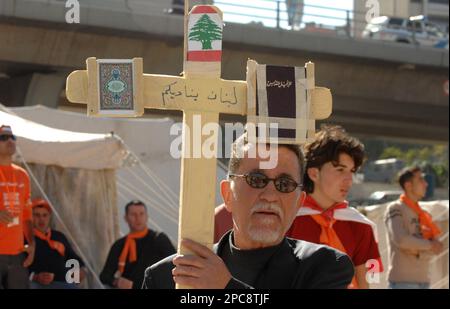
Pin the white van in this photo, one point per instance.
(416, 29)
(384, 170)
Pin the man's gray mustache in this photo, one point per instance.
(272, 207)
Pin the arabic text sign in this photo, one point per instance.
(199, 94)
(190, 93)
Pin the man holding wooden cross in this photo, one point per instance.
(284, 98)
(256, 254)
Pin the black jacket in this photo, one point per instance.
(150, 249)
(49, 260)
(295, 264)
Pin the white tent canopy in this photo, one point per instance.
(44, 145)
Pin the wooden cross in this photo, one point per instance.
(119, 88)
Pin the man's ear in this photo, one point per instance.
(301, 199)
(313, 173)
(227, 195)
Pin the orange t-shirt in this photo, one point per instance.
(15, 198)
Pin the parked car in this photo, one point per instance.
(416, 29)
(376, 198)
(384, 170)
(381, 197)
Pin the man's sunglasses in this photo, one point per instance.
(6, 137)
(258, 181)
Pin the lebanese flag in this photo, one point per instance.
(204, 37)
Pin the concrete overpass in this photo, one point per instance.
(379, 89)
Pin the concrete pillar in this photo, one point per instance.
(398, 8)
(45, 89)
(359, 17)
(425, 7)
(7, 7)
(32, 89)
(13, 90)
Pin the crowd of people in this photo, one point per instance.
(289, 226)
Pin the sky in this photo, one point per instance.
(332, 14)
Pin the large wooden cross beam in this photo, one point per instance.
(119, 88)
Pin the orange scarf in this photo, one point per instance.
(428, 228)
(328, 235)
(55, 245)
(130, 247)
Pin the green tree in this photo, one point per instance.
(436, 156)
(412, 156)
(205, 30)
(441, 172)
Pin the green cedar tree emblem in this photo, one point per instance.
(205, 30)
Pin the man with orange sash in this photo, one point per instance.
(413, 236)
(324, 216)
(53, 250)
(131, 255)
(15, 217)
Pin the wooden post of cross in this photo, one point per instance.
(119, 88)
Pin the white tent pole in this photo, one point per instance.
(164, 188)
(139, 195)
(144, 196)
(169, 203)
(170, 207)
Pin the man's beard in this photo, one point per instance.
(265, 232)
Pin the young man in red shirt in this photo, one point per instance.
(324, 216)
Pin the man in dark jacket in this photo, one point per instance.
(53, 250)
(256, 253)
(131, 255)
